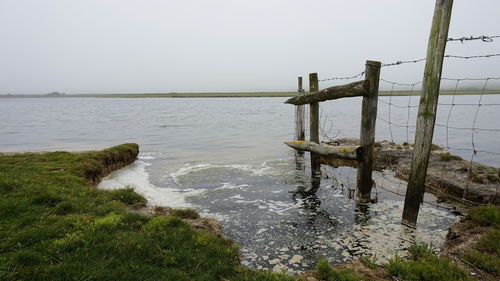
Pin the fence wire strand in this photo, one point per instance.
(482, 38)
(359, 75)
(446, 56)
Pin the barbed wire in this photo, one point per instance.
(446, 56)
(402, 62)
(472, 79)
(472, 57)
(401, 84)
(343, 78)
(483, 38)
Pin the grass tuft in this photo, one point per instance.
(486, 253)
(485, 215)
(484, 261)
(185, 213)
(27, 258)
(447, 157)
(128, 197)
(370, 262)
(418, 251)
(327, 273)
(429, 268)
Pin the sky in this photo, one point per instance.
(160, 46)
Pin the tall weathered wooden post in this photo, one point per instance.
(299, 115)
(314, 125)
(427, 110)
(367, 136)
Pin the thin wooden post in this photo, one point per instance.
(367, 135)
(314, 125)
(299, 116)
(427, 110)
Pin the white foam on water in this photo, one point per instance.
(190, 168)
(220, 217)
(148, 155)
(135, 176)
(385, 236)
(278, 207)
(229, 186)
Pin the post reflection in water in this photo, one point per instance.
(307, 192)
(362, 213)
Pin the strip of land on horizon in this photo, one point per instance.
(234, 94)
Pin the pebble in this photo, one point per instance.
(262, 230)
(279, 268)
(275, 261)
(295, 259)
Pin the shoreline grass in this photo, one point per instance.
(56, 225)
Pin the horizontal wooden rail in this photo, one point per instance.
(354, 89)
(344, 152)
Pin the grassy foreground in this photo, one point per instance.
(55, 225)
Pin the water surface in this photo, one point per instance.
(226, 158)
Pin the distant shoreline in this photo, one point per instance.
(236, 95)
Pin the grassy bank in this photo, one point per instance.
(235, 95)
(57, 226)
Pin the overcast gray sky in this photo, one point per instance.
(135, 46)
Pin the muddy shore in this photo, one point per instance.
(449, 177)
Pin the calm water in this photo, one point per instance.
(226, 158)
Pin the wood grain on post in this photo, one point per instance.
(299, 115)
(367, 136)
(354, 89)
(314, 125)
(427, 110)
(342, 152)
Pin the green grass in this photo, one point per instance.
(447, 157)
(424, 265)
(428, 268)
(57, 226)
(418, 251)
(370, 262)
(327, 273)
(485, 254)
(485, 216)
(483, 261)
(185, 213)
(129, 197)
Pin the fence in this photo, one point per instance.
(473, 176)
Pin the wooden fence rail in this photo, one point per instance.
(354, 89)
(368, 89)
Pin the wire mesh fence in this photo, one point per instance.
(466, 132)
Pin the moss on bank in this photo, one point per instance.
(57, 226)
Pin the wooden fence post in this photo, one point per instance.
(299, 116)
(314, 125)
(367, 135)
(427, 110)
